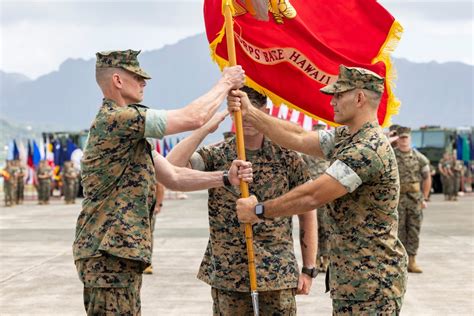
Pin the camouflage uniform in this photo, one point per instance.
(316, 168)
(20, 186)
(411, 166)
(368, 263)
(114, 226)
(9, 184)
(275, 171)
(69, 177)
(447, 180)
(44, 183)
(458, 168)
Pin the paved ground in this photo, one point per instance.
(37, 275)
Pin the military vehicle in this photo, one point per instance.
(433, 142)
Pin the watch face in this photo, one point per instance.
(259, 209)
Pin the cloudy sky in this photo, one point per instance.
(37, 36)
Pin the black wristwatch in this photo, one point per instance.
(260, 210)
(313, 272)
(225, 179)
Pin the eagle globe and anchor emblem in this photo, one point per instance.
(280, 9)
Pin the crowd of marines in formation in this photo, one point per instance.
(15, 175)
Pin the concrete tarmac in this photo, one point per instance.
(38, 276)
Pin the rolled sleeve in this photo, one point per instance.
(155, 123)
(344, 175)
(326, 142)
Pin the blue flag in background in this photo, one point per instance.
(70, 147)
(36, 154)
(16, 152)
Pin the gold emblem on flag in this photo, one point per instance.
(280, 9)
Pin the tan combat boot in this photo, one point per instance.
(412, 266)
(148, 270)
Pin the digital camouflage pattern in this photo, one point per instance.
(367, 260)
(232, 303)
(447, 180)
(275, 171)
(316, 168)
(111, 285)
(411, 166)
(351, 78)
(126, 59)
(69, 179)
(44, 182)
(385, 307)
(20, 184)
(118, 177)
(9, 184)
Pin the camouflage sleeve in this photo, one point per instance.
(424, 162)
(207, 155)
(326, 142)
(155, 123)
(128, 122)
(197, 163)
(299, 171)
(354, 166)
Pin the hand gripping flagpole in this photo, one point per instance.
(244, 188)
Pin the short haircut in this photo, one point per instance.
(102, 74)
(258, 100)
(373, 97)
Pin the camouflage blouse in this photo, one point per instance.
(411, 165)
(118, 177)
(276, 171)
(367, 260)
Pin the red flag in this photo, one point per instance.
(290, 59)
(158, 147)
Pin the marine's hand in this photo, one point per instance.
(304, 284)
(215, 121)
(240, 170)
(235, 76)
(238, 101)
(246, 210)
(424, 204)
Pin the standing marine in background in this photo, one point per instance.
(445, 167)
(317, 167)
(20, 184)
(44, 175)
(458, 169)
(9, 183)
(69, 179)
(414, 170)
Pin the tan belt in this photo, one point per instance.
(410, 187)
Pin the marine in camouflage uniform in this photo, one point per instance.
(224, 266)
(69, 179)
(44, 174)
(113, 243)
(458, 168)
(317, 167)
(20, 186)
(9, 183)
(368, 263)
(445, 167)
(414, 170)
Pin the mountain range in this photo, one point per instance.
(67, 99)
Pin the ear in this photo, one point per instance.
(117, 81)
(361, 98)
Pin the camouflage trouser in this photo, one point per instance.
(111, 285)
(7, 191)
(457, 184)
(410, 216)
(231, 303)
(20, 190)
(44, 188)
(448, 185)
(69, 190)
(384, 307)
(323, 232)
